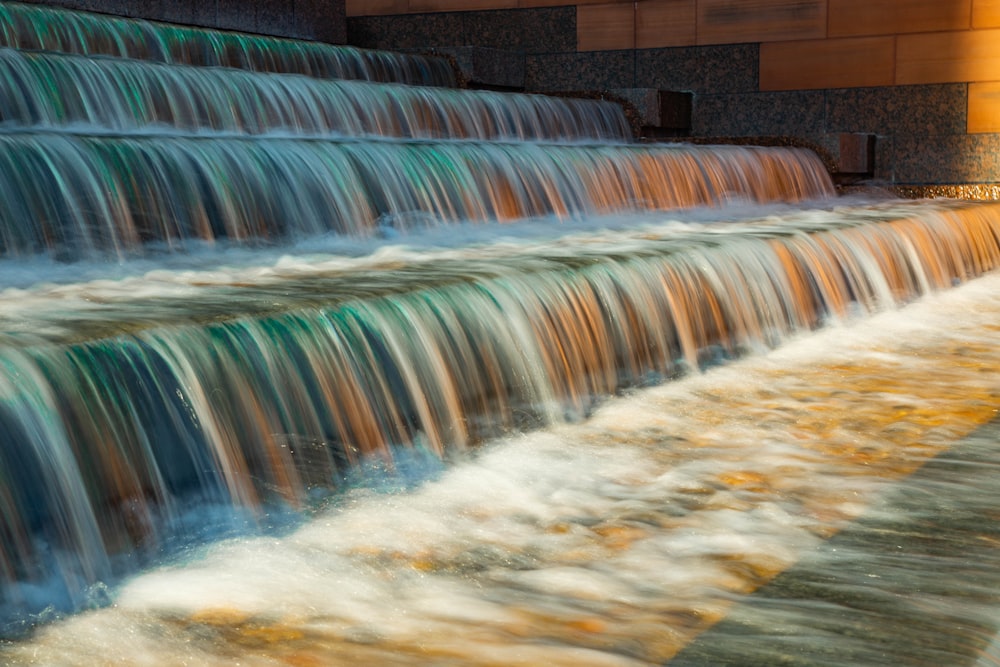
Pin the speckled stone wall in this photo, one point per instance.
(320, 20)
(528, 31)
(921, 131)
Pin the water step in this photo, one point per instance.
(106, 442)
(37, 27)
(52, 89)
(911, 264)
(88, 196)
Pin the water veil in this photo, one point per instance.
(308, 357)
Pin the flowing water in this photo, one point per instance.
(38, 28)
(53, 90)
(309, 372)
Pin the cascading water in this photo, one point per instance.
(271, 308)
(33, 27)
(126, 95)
(91, 195)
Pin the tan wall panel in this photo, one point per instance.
(459, 5)
(986, 13)
(984, 107)
(851, 18)
(605, 27)
(732, 21)
(832, 63)
(943, 57)
(660, 23)
(375, 7)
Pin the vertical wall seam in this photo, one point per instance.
(895, 60)
(635, 43)
(967, 86)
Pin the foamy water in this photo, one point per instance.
(52, 299)
(253, 371)
(610, 542)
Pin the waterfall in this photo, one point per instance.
(53, 90)
(112, 436)
(88, 195)
(34, 27)
(132, 401)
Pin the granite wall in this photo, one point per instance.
(913, 80)
(320, 20)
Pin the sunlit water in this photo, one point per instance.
(277, 387)
(615, 540)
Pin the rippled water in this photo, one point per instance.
(618, 540)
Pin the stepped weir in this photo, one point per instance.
(308, 356)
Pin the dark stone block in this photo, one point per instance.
(484, 68)
(660, 109)
(277, 17)
(699, 69)
(675, 109)
(885, 154)
(857, 154)
(143, 9)
(365, 31)
(828, 147)
(593, 70)
(321, 20)
(933, 109)
(204, 13)
(529, 30)
(236, 15)
(116, 7)
(417, 31)
(934, 159)
(181, 11)
(491, 29)
(794, 113)
(65, 4)
(543, 30)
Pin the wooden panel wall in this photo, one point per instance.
(731, 21)
(986, 14)
(938, 57)
(984, 107)
(605, 27)
(854, 18)
(827, 63)
(662, 23)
